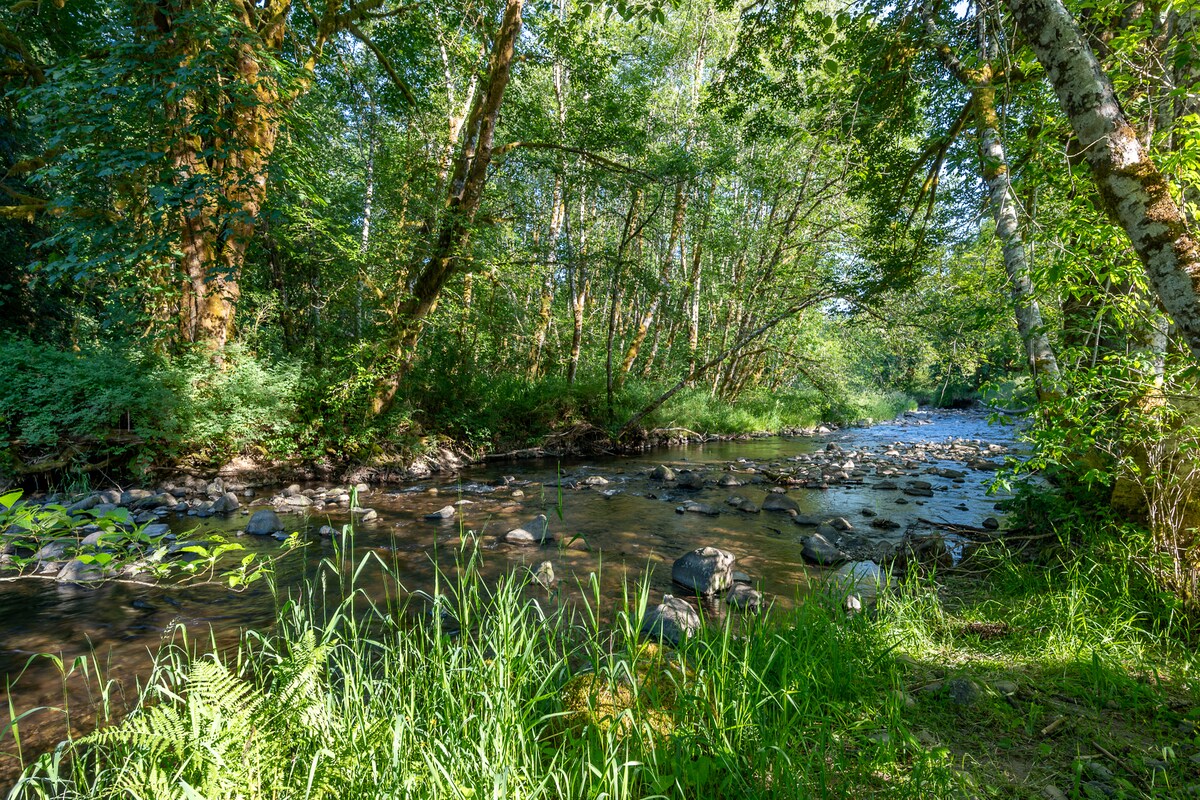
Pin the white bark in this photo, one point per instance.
(1134, 192)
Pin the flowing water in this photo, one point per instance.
(622, 530)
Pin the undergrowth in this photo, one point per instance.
(509, 691)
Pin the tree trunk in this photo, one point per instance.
(546, 303)
(993, 167)
(465, 189)
(664, 281)
(579, 284)
(1043, 365)
(1135, 194)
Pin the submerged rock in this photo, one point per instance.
(673, 620)
(690, 506)
(780, 502)
(705, 571)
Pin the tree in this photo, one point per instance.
(1133, 190)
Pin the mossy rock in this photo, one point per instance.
(648, 703)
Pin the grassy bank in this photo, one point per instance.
(994, 680)
(65, 416)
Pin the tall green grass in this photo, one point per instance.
(489, 691)
(503, 690)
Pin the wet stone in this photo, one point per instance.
(706, 570)
(672, 621)
(744, 598)
(264, 523)
(536, 531)
(445, 512)
(819, 550)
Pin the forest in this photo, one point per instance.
(582, 253)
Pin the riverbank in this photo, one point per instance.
(255, 421)
(1013, 679)
(910, 494)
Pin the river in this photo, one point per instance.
(622, 528)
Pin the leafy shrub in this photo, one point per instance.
(117, 402)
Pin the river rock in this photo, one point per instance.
(885, 485)
(155, 501)
(445, 512)
(226, 503)
(861, 579)
(662, 473)
(328, 531)
(543, 575)
(706, 570)
(292, 490)
(76, 571)
(86, 504)
(52, 551)
(156, 529)
(365, 514)
(132, 496)
(819, 550)
(594, 480)
(689, 480)
(780, 502)
(298, 501)
(744, 598)
(728, 480)
(840, 524)
(264, 523)
(690, 506)
(672, 621)
(536, 531)
(991, 523)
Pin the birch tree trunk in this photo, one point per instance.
(1134, 193)
(993, 167)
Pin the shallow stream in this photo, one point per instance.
(622, 528)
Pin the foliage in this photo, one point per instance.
(123, 402)
(478, 691)
(110, 545)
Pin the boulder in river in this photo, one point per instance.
(780, 502)
(76, 571)
(673, 620)
(691, 506)
(860, 579)
(536, 531)
(744, 598)
(689, 480)
(226, 503)
(662, 473)
(706, 570)
(264, 523)
(820, 550)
